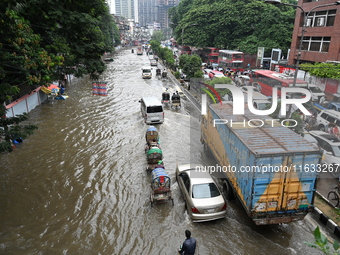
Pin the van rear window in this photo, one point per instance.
(154, 109)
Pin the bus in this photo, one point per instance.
(209, 55)
(264, 80)
(184, 50)
(231, 59)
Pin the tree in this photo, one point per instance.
(158, 36)
(190, 64)
(322, 70)
(242, 25)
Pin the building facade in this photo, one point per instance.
(127, 9)
(321, 40)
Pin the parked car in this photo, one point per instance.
(325, 117)
(215, 74)
(203, 199)
(153, 62)
(331, 147)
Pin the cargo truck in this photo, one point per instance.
(267, 166)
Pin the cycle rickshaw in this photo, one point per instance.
(166, 98)
(153, 155)
(152, 138)
(160, 184)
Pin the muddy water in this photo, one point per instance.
(79, 185)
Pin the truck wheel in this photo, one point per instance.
(228, 191)
(322, 127)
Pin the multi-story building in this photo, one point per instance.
(163, 8)
(147, 12)
(127, 9)
(321, 40)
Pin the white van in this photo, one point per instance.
(327, 116)
(152, 110)
(146, 72)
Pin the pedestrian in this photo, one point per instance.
(336, 130)
(189, 245)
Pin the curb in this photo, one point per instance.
(330, 225)
(324, 219)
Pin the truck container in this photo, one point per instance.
(267, 166)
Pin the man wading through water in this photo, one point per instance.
(189, 245)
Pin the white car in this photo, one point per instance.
(153, 62)
(203, 199)
(331, 147)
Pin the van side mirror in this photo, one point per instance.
(140, 100)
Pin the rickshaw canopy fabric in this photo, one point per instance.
(151, 128)
(159, 173)
(154, 150)
(166, 96)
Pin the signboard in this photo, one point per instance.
(260, 51)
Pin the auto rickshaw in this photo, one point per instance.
(158, 72)
(153, 155)
(166, 97)
(175, 101)
(160, 184)
(152, 138)
(164, 74)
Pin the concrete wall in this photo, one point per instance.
(26, 103)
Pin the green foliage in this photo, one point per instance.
(322, 70)
(321, 243)
(243, 25)
(41, 40)
(190, 64)
(220, 80)
(11, 129)
(177, 74)
(158, 36)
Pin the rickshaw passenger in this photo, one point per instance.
(175, 97)
(160, 164)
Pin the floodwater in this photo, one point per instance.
(79, 185)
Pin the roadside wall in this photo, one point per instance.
(26, 103)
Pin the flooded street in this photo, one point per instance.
(79, 184)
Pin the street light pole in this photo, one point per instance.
(305, 17)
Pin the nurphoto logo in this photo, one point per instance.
(239, 103)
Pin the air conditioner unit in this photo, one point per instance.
(321, 22)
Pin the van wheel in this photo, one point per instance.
(322, 127)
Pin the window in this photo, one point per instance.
(316, 43)
(321, 18)
(206, 190)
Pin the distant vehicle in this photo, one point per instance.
(203, 199)
(184, 50)
(210, 55)
(325, 104)
(153, 62)
(215, 74)
(146, 72)
(234, 60)
(325, 117)
(331, 147)
(266, 80)
(152, 110)
(139, 50)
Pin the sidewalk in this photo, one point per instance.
(324, 211)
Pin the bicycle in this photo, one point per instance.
(334, 197)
